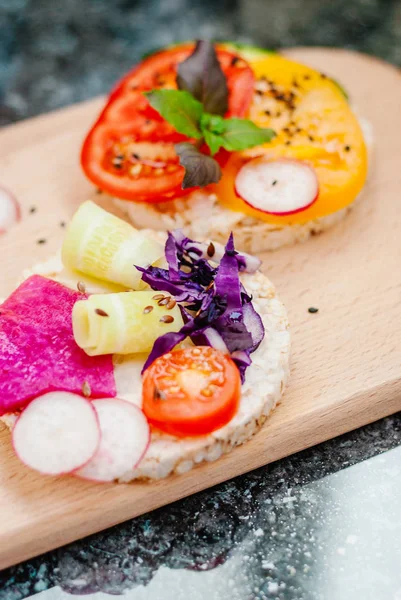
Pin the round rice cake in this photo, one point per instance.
(265, 382)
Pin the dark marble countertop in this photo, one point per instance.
(324, 524)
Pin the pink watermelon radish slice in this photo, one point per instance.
(125, 436)
(38, 353)
(57, 433)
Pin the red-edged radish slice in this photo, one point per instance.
(56, 433)
(125, 436)
(277, 187)
(9, 210)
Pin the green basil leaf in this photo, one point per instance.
(200, 169)
(178, 108)
(240, 134)
(212, 123)
(213, 141)
(202, 76)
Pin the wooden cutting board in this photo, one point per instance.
(346, 367)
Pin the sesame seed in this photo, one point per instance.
(275, 182)
(41, 241)
(99, 191)
(311, 138)
(81, 287)
(288, 143)
(313, 309)
(268, 113)
(136, 156)
(101, 312)
(147, 309)
(347, 148)
(135, 170)
(62, 224)
(32, 210)
(167, 319)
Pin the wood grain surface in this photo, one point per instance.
(346, 367)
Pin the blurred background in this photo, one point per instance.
(55, 52)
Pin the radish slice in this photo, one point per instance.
(9, 210)
(277, 187)
(57, 433)
(125, 438)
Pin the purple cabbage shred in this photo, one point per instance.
(217, 311)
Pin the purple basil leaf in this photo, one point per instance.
(200, 169)
(202, 76)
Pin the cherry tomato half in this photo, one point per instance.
(192, 391)
(129, 152)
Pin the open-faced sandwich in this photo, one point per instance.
(129, 357)
(218, 138)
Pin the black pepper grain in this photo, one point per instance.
(158, 394)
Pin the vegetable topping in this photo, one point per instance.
(38, 353)
(130, 152)
(314, 124)
(217, 309)
(192, 391)
(135, 320)
(101, 245)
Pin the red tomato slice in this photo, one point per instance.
(112, 156)
(190, 392)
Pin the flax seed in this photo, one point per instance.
(167, 319)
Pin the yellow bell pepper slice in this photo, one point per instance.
(314, 123)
